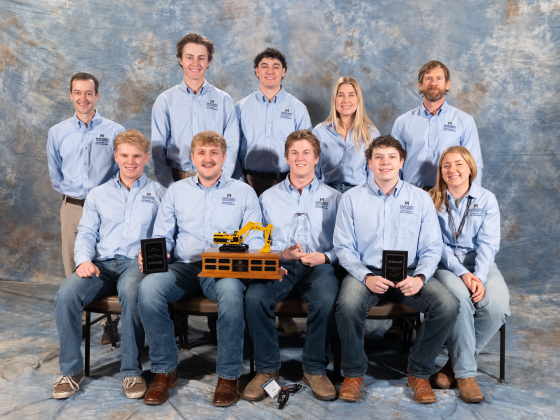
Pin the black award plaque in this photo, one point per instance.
(394, 265)
(154, 255)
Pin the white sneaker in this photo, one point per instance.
(135, 387)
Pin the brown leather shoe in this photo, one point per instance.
(226, 393)
(158, 392)
(470, 392)
(350, 390)
(423, 392)
(445, 378)
(321, 386)
(254, 390)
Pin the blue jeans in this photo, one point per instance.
(477, 323)
(440, 309)
(117, 276)
(158, 290)
(341, 187)
(317, 286)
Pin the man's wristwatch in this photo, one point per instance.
(327, 259)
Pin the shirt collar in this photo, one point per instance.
(277, 98)
(139, 183)
(203, 89)
(378, 192)
(440, 111)
(221, 182)
(312, 187)
(95, 121)
(474, 192)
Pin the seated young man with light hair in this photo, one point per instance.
(191, 212)
(387, 213)
(309, 266)
(117, 215)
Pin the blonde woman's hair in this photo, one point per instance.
(134, 138)
(439, 192)
(362, 124)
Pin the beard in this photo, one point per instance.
(434, 96)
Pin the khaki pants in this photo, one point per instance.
(70, 215)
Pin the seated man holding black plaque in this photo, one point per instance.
(191, 212)
(303, 212)
(388, 214)
(117, 215)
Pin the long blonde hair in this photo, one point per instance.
(362, 124)
(439, 192)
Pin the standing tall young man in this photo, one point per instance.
(117, 215)
(80, 154)
(425, 132)
(267, 117)
(190, 213)
(192, 106)
(310, 271)
(387, 213)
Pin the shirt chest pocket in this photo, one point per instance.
(101, 151)
(406, 226)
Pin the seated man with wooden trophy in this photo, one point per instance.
(117, 216)
(303, 212)
(388, 214)
(191, 212)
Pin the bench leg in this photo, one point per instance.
(178, 323)
(113, 338)
(87, 344)
(407, 330)
(337, 350)
(503, 353)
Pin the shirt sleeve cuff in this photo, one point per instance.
(79, 259)
(332, 256)
(482, 278)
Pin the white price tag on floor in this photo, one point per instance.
(272, 388)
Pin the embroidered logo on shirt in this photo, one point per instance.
(228, 200)
(102, 140)
(449, 126)
(321, 204)
(476, 211)
(148, 198)
(407, 208)
(212, 105)
(286, 114)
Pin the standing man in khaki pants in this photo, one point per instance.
(81, 157)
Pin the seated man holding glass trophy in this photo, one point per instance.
(303, 212)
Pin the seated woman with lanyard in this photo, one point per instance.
(469, 218)
(344, 137)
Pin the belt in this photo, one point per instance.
(76, 201)
(177, 174)
(266, 175)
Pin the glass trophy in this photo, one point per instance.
(300, 231)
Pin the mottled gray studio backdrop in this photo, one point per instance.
(503, 56)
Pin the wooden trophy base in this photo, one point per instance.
(250, 264)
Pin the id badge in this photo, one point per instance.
(459, 255)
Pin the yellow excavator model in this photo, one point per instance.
(234, 242)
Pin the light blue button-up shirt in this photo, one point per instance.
(81, 158)
(178, 115)
(190, 214)
(369, 222)
(318, 200)
(341, 162)
(115, 220)
(425, 136)
(481, 232)
(265, 126)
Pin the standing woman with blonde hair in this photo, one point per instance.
(469, 218)
(344, 137)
